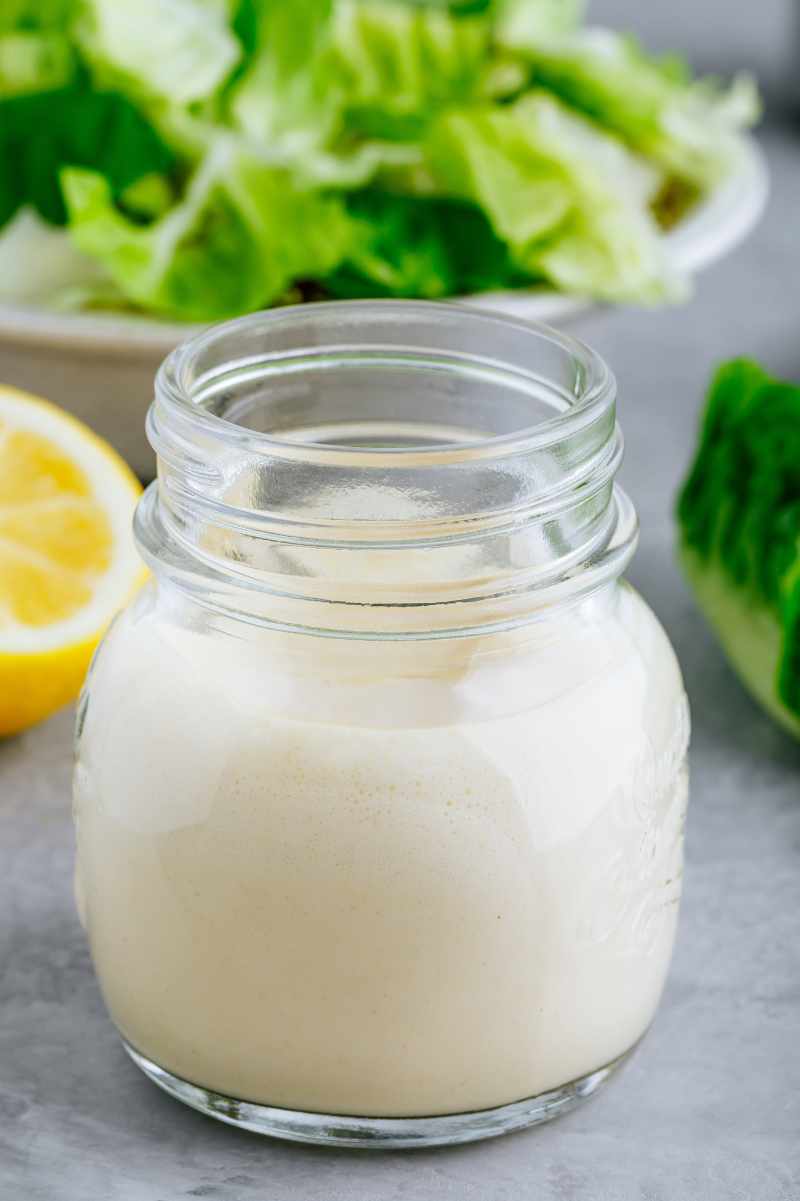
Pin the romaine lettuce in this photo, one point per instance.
(284, 101)
(520, 23)
(569, 201)
(241, 235)
(37, 14)
(42, 132)
(178, 51)
(398, 147)
(395, 66)
(420, 246)
(32, 62)
(35, 49)
(689, 128)
(739, 521)
(340, 89)
(40, 264)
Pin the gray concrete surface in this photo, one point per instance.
(709, 1110)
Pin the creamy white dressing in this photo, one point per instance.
(383, 878)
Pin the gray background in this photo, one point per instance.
(709, 1108)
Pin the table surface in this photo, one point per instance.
(710, 1106)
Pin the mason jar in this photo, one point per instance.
(380, 781)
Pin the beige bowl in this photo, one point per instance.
(101, 366)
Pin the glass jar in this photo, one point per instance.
(380, 783)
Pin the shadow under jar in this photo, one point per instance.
(380, 783)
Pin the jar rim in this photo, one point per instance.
(320, 465)
(595, 388)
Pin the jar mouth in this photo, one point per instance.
(385, 455)
(456, 343)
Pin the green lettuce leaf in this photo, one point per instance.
(521, 23)
(340, 90)
(288, 101)
(570, 201)
(36, 14)
(36, 54)
(73, 126)
(239, 238)
(34, 62)
(179, 51)
(398, 147)
(691, 128)
(39, 264)
(284, 100)
(396, 65)
(739, 521)
(420, 246)
(456, 7)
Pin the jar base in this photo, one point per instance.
(379, 1133)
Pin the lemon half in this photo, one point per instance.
(67, 557)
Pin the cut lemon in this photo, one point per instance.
(67, 556)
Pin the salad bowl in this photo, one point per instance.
(100, 365)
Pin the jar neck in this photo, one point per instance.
(385, 470)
